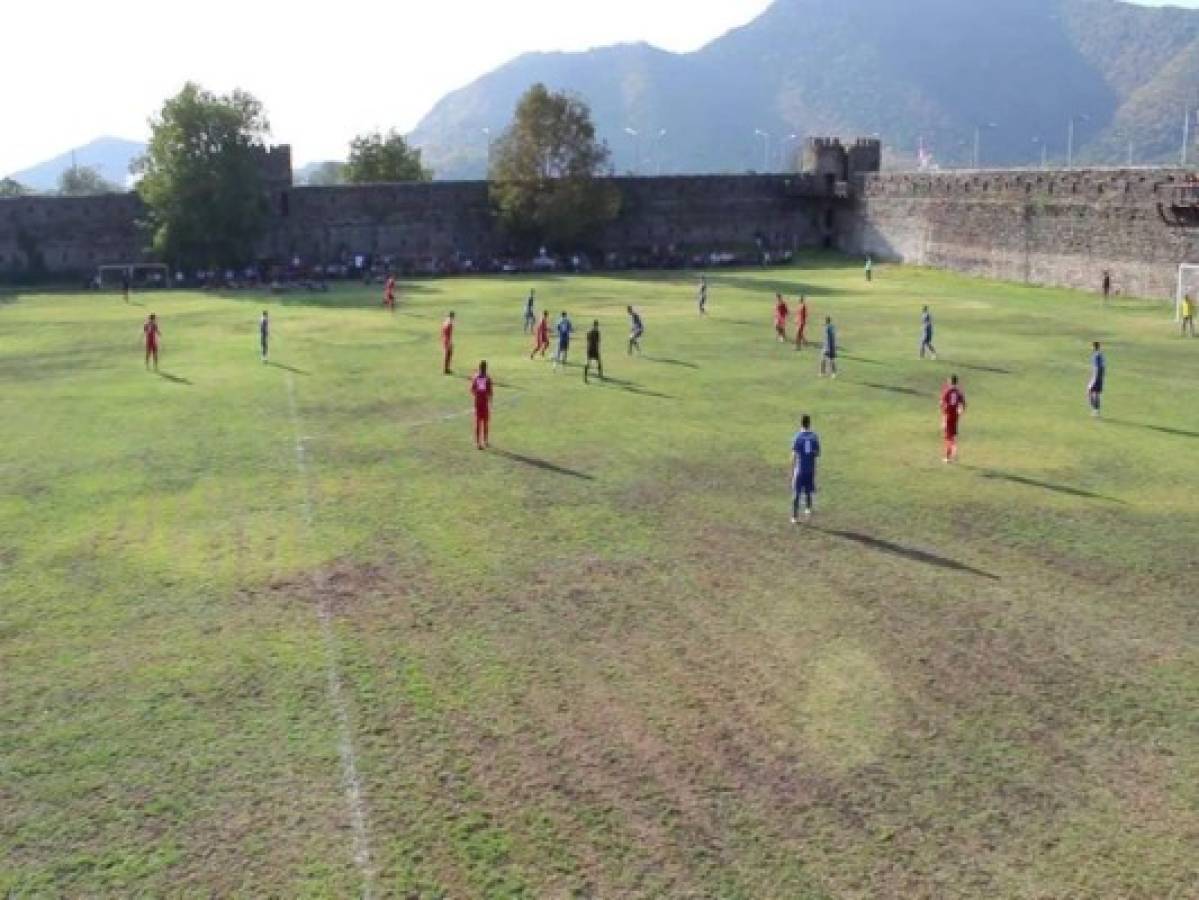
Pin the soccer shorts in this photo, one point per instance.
(805, 482)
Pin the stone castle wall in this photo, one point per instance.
(68, 235)
(1062, 228)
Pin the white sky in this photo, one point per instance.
(71, 72)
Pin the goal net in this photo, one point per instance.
(1188, 286)
(139, 274)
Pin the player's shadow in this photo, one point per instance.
(1011, 477)
(1160, 429)
(891, 389)
(861, 359)
(633, 388)
(670, 362)
(174, 379)
(543, 465)
(974, 367)
(909, 553)
(286, 368)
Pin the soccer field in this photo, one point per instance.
(282, 630)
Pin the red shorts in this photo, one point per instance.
(951, 427)
(483, 413)
(151, 346)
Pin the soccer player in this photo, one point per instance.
(447, 343)
(805, 450)
(151, 333)
(389, 293)
(703, 295)
(530, 313)
(1188, 315)
(801, 323)
(953, 407)
(125, 284)
(264, 333)
(593, 352)
(1107, 285)
(828, 359)
(565, 330)
(481, 388)
(869, 268)
(636, 329)
(781, 314)
(542, 335)
(1098, 374)
(926, 334)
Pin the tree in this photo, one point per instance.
(85, 181)
(377, 158)
(10, 187)
(327, 174)
(544, 174)
(203, 182)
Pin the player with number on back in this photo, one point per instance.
(565, 330)
(481, 389)
(541, 337)
(953, 407)
(781, 314)
(805, 450)
(151, 333)
(828, 359)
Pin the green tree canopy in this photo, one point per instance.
(10, 187)
(85, 181)
(378, 158)
(544, 172)
(203, 182)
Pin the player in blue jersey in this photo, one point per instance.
(926, 334)
(805, 450)
(565, 330)
(636, 329)
(828, 359)
(1098, 376)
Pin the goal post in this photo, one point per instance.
(1188, 286)
(153, 274)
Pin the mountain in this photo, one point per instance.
(909, 70)
(110, 155)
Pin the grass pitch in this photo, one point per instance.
(281, 630)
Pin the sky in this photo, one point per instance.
(324, 72)
(71, 72)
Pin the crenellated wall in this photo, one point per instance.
(1061, 228)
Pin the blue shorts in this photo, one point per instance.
(1096, 386)
(805, 482)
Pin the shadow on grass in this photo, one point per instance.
(543, 465)
(861, 359)
(662, 360)
(1160, 429)
(993, 370)
(286, 368)
(909, 553)
(633, 388)
(1066, 489)
(891, 388)
(174, 379)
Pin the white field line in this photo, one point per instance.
(351, 781)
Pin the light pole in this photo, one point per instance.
(978, 139)
(636, 136)
(765, 149)
(1070, 138)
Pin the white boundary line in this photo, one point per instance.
(351, 781)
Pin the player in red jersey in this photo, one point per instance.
(151, 333)
(801, 323)
(389, 293)
(447, 343)
(481, 389)
(781, 313)
(542, 335)
(953, 407)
